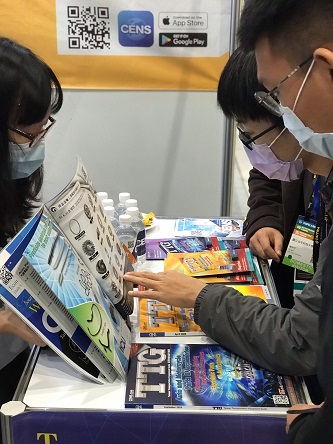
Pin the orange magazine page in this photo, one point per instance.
(207, 263)
(158, 319)
(260, 291)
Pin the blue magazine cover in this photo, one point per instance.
(220, 227)
(202, 376)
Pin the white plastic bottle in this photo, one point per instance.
(132, 203)
(107, 203)
(139, 227)
(110, 213)
(120, 208)
(102, 195)
(126, 233)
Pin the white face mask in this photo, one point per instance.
(316, 143)
(25, 160)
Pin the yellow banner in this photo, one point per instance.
(109, 44)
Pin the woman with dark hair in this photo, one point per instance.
(30, 94)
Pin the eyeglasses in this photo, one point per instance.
(34, 138)
(246, 140)
(269, 99)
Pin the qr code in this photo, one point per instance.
(88, 27)
(5, 275)
(281, 400)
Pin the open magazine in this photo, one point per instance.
(68, 287)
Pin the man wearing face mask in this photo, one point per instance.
(280, 190)
(293, 43)
(280, 339)
(29, 93)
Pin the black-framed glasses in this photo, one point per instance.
(34, 138)
(269, 99)
(246, 140)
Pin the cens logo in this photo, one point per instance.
(136, 28)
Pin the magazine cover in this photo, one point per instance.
(260, 291)
(244, 278)
(200, 376)
(81, 217)
(157, 249)
(220, 227)
(158, 319)
(58, 277)
(73, 345)
(207, 263)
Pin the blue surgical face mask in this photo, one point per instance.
(316, 143)
(25, 160)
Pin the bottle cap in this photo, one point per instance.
(109, 210)
(132, 211)
(102, 195)
(123, 197)
(107, 202)
(131, 203)
(125, 219)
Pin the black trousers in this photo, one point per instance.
(10, 376)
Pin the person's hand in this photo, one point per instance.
(267, 243)
(10, 323)
(169, 287)
(291, 417)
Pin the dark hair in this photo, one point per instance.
(29, 89)
(237, 85)
(294, 28)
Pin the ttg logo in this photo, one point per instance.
(136, 28)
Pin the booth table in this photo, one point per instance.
(55, 404)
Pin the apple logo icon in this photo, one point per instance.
(166, 21)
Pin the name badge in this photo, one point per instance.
(299, 253)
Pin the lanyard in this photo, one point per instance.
(313, 209)
(323, 222)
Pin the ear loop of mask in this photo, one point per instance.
(279, 135)
(303, 83)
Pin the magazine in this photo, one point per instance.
(204, 376)
(45, 278)
(41, 264)
(220, 227)
(210, 263)
(157, 319)
(81, 217)
(157, 249)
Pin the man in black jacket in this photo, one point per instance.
(293, 43)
